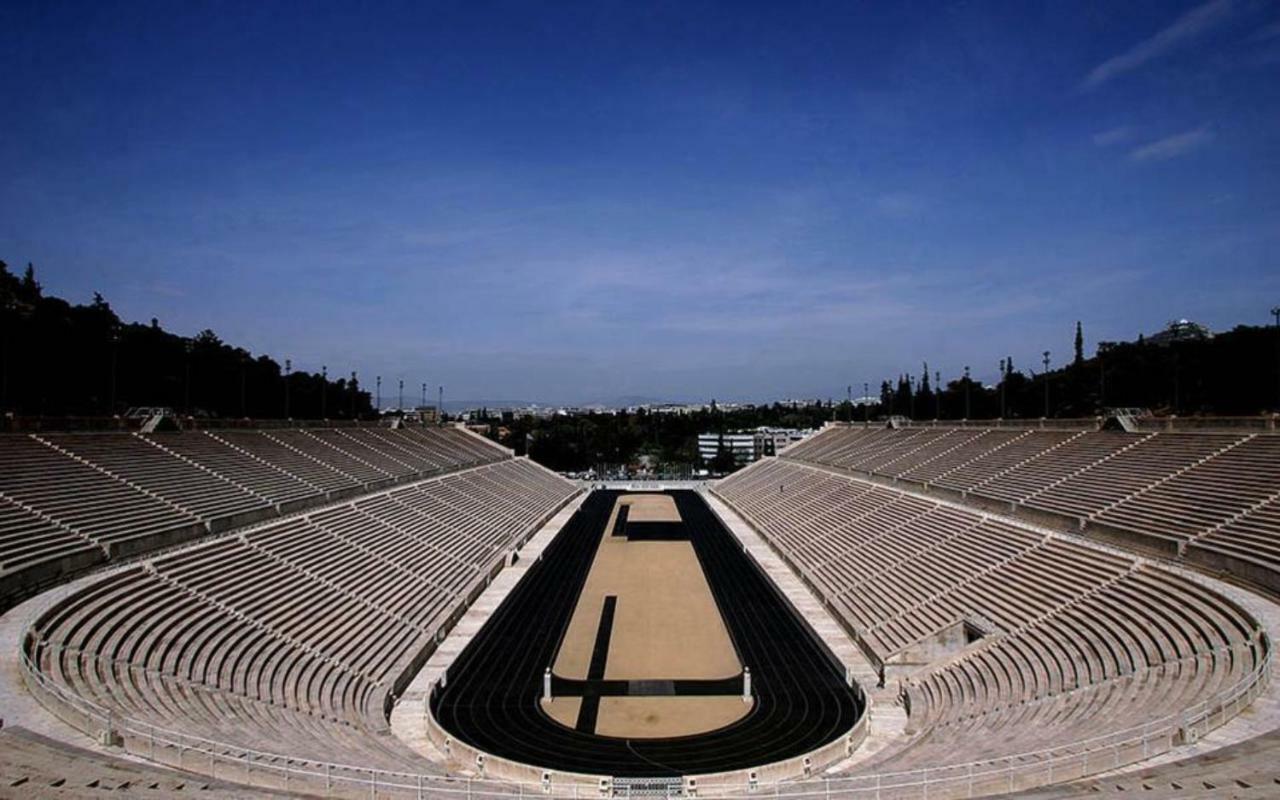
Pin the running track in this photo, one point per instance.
(491, 697)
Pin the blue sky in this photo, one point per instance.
(575, 202)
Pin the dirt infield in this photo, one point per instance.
(652, 717)
(662, 717)
(650, 507)
(664, 625)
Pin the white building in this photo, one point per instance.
(748, 446)
(770, 441)
(741, 444)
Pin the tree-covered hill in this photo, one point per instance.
(60, 359)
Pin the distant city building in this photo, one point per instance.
(1181, 330)
(771, 441)
(741, 445)
(748, 446)
(427, 415)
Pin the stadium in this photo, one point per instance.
(878, 611)
(707, 400)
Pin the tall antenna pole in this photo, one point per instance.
(1003, 376)
(1046, 383)
(1275, 312)
(115, 351)
(188, 346)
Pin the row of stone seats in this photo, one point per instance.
(294, 634)
(903, 567)
(1207, 496)
(26, 536)
(39, 767)
(1244, 770)
(69, 501)
(1077, 642)
(1212, 495)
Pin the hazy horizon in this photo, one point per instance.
(680, 201)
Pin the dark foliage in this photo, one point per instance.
(81, 360)
(604, 441)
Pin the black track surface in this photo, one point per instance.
(491, 697)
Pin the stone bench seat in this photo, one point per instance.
(291, 636)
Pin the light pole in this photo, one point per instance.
(352, 388)
(849, 413)
(911, 396)
(188, 346)
(244, 365)
(379, 395)
(440, 406)
(966, 392)
(937, 394)
(324, 391)
(866, 406)
(1004, 376)
(424, 395)
(288, 370)
(1045, 361)
(1275, 312)
(400, 406)
(9, 307)
(115, 349)
(1102, 378)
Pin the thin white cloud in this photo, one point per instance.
(1173, 146)
(1113, 136)
(1184, 29)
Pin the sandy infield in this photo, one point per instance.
(666, 626)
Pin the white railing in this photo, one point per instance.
(235, 763)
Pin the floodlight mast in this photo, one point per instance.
(1004, 377)
(244, 364)
(1275, 312)
(1045, 361)
(115, 350)
(188, 345)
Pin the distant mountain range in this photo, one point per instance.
(619, 401)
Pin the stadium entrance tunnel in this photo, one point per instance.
(646, 644)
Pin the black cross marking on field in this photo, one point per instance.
(595, 686)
